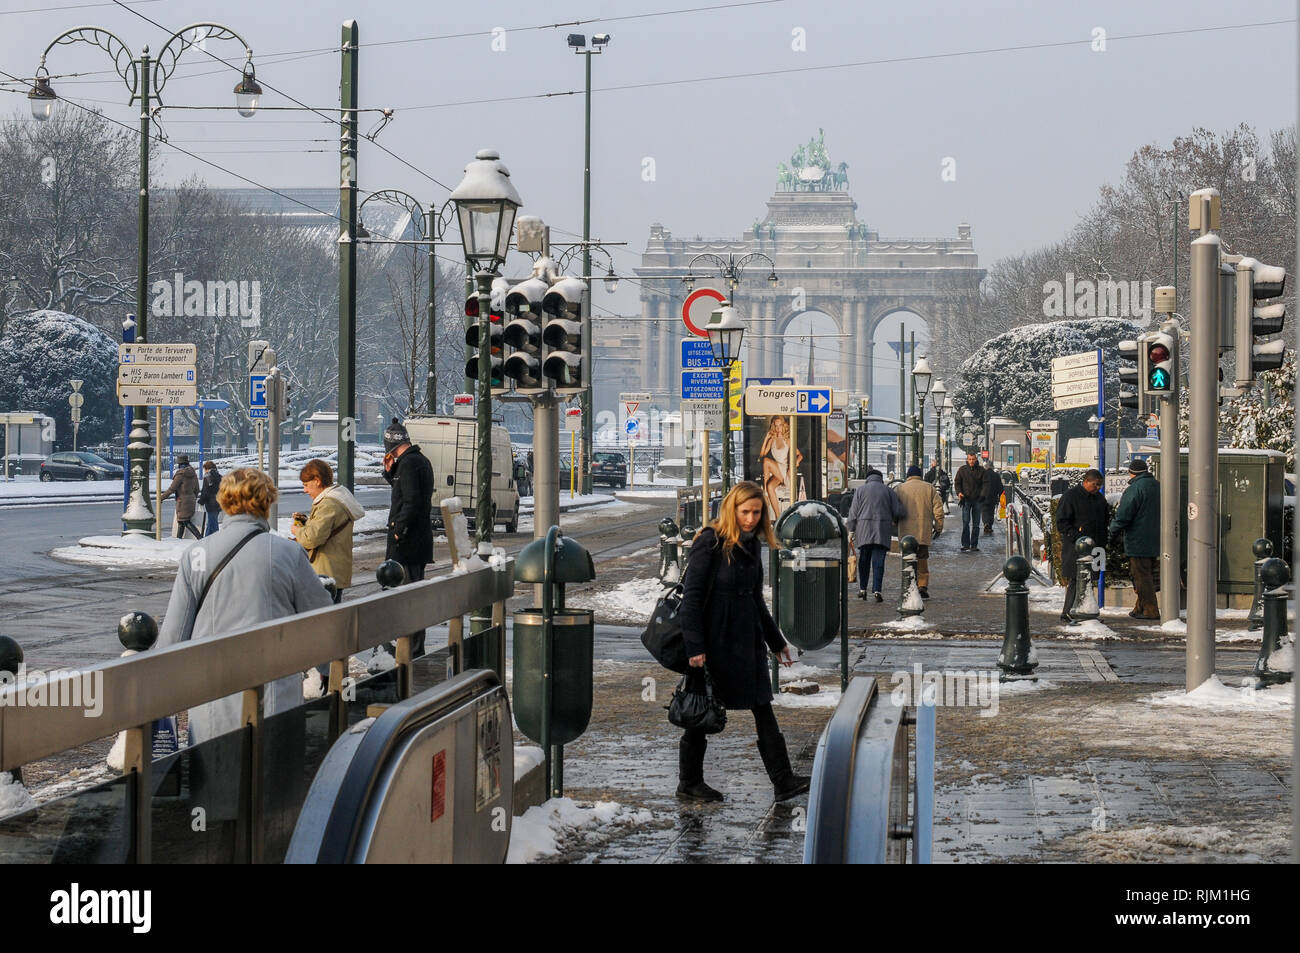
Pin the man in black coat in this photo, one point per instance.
(969, 484)
(992, 494)
(1082, 511)
(410, 522)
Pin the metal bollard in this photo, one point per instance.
(11, 660)
(1017, 658)
(390, 574)
(669, 564)
(910, 601)
(1262, 549)
(1085, 606)
(1275, 574)
(137, 631)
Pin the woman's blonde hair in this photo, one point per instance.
(727, 526)
(246, 491)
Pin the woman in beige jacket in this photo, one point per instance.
(327, 532)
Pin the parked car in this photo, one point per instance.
(78, 465)
(609, 467)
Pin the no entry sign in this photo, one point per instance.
(697, 307)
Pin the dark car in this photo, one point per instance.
(78, 465)
(609, 468)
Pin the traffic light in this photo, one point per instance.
(496, 340)
(1131, 390)
(1160, 366)
(523, 332)
(562, 335)
(1258, 282)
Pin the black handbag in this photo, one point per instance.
(691, 708)
(663, 636)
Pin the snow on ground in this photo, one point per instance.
(527, 757)
(799, 671)
(13, 796)
(912, 623)
(1213, 694)
(1164, 842)
(632, 599)
(1089, 630)
(561, 823)
(1023, 686)
(31, 488)
(610, 507)
(828, 697)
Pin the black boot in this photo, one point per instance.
(690, 771)
(785, 783)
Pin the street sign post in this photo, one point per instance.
(162, 395)
(703, 384)
(258, 409)
(763, 401)
(157, 353)
(696, 310)
(701, 415)
(1071, 361)
(156, 374)
(697, 352)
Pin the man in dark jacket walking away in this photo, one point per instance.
(938, 476)
(875, 510)
(1082, 511)
(992, 496)
(1138, 516)
(410, 523)
(185, 487)
(970, 494)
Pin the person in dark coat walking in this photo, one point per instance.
(727, 626)
(970, 482)
(208, 496)
(942, 482)
(992, 496)
(185, 487)
(1082, 511)
(1138, 516)
(875, 510)
(410, 510)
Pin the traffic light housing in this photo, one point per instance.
(523, 333)
(496, 339)
(1131, 391)
(1159, 367)
(1258, 282)
(562, 335)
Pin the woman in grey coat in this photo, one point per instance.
(269, 577)
(875, 510)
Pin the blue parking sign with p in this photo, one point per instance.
(257, 396)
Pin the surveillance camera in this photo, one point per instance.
(577, 40)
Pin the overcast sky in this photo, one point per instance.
(1033, 131)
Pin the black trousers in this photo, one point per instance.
(414, 573)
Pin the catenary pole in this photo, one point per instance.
(347, 399)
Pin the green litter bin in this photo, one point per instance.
(574, 634)
(809, 574)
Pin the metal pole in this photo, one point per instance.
(138, 449)
(347, 402)
(573, 460)
(726, 429)
(275, 391)
(902, 394)
(911, 400)
(483, 471)
(431, 382)
(704, 478)
(586, 276)
(791, 461)
(158, 483)
(1202, 511)
(546, 464)
(1171, 581)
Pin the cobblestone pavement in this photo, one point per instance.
(1085, 769)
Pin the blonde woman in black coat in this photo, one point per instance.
(728, 627)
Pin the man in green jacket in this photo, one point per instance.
(1138, 516)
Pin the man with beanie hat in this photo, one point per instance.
(923, 519)
(1138, 516)
(410, 522)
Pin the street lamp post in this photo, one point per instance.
(726, 332)
(139, 73)
(921, 374)
(938, 393)
(429, 228)
(486, 203)
(950, 412)
(578, 43)
(731, 270)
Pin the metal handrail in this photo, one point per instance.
(161, 682)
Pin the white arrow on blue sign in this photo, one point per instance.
(813, 400)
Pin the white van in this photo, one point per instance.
(451, 445)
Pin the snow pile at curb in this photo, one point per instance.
(799, 671)
(13, 796)
(634, 598)
(125, 552)
(1023, 686)
(1213, 694)
(1166, 842)
(543, 830)
(1089, 630)
(828, 697)
(913, 623)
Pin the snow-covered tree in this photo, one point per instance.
(1263, 418)
(43, 351)
(1011, 375)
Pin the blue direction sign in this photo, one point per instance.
(696, 353)
(210, 403)
(257, 396)
(703, 384)
(813, 400)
